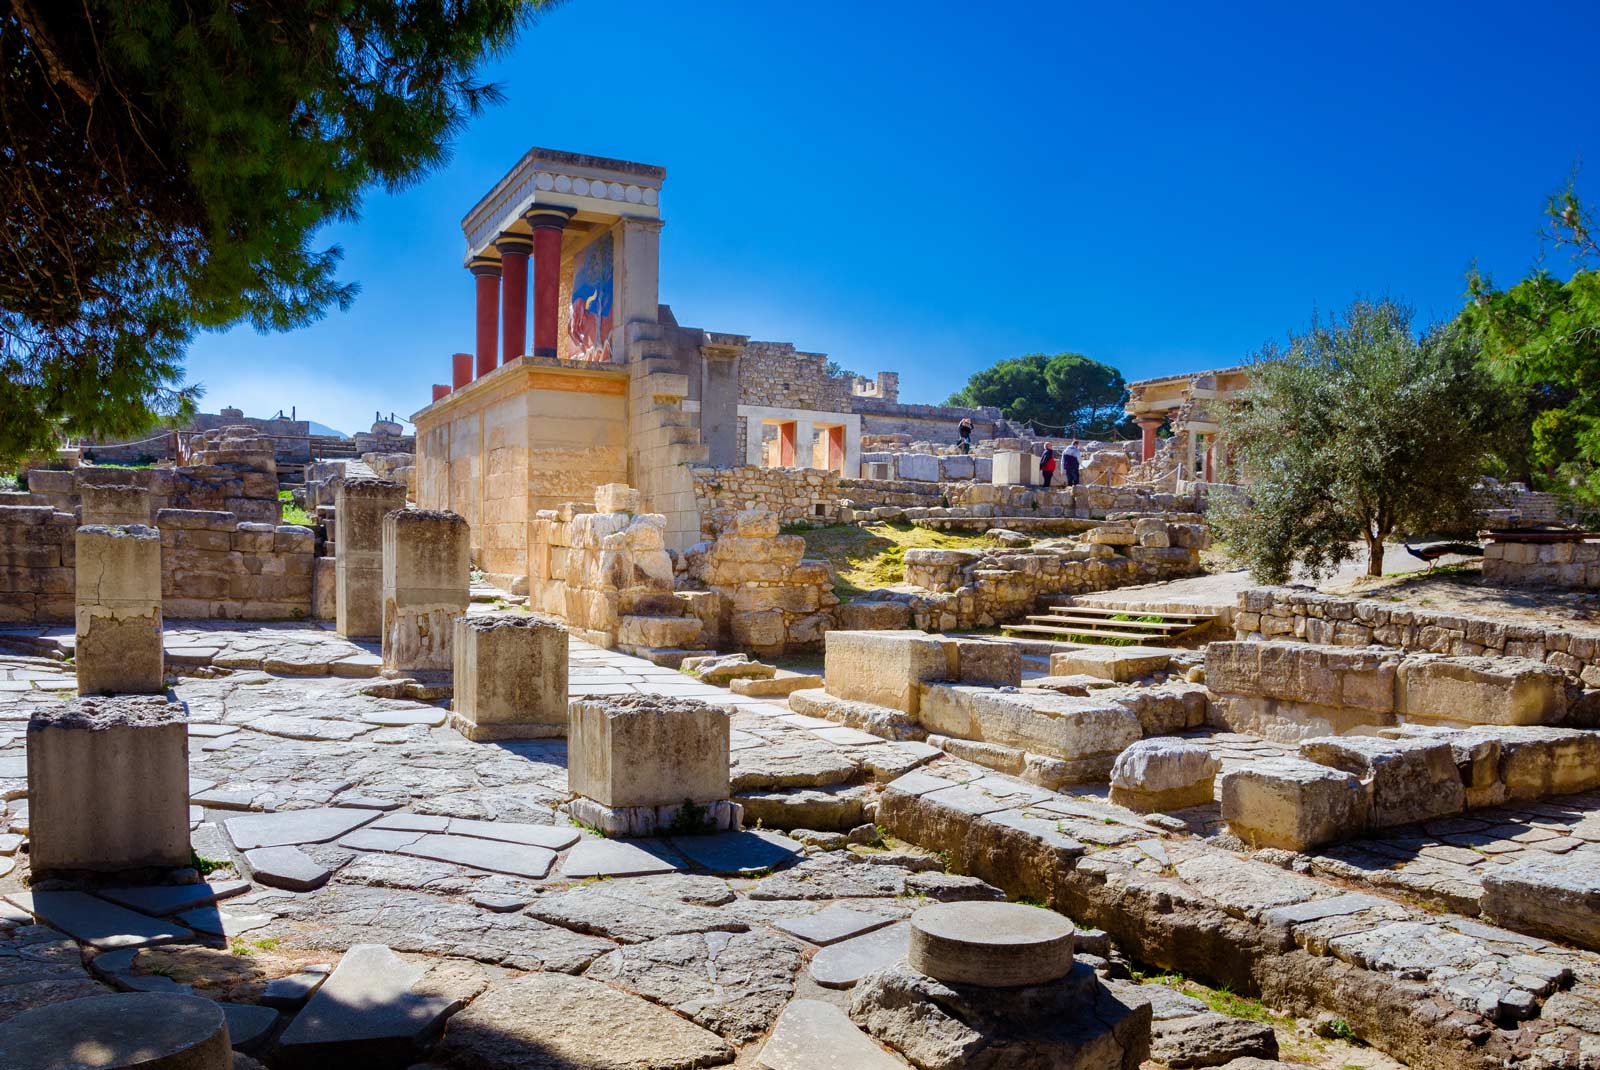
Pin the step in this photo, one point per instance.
(1105, 622)
(1109, 611)
(1041, 629)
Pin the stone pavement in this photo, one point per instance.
(505, 926)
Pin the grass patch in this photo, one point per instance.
(1222, 1000)
(867, 559)
(292, 513)
(205, 866)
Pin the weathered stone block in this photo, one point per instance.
(659, 632)
(1292, 804)
(360, 506)
(510, 676)
(616, 498)
(1160, 775)
(882, 668)
(871, 616)
(108, 785)
(1406, 780)
(114, 504)
(1553, 895)
(119, 611)
(1119, 663)
(1483, 690)
(646, 750)
(426, 572)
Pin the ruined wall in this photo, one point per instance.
(1281, 613)
(925, 423)
(778, 375)
(212, 566)
(765, 597)
(1555, 564)
(794, 495)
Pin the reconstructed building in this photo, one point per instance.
(1190, 405)
(594, 381)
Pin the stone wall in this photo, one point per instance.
(212, 566)
(1281, 613)
(765, 598)
(794, 495)
(1553, 564)
(778, 375)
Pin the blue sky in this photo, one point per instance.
(931, 187)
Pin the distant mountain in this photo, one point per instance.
(324, 429)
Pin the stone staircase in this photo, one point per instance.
(1068, 622)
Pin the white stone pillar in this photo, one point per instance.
(510, 676)
(426, 573)
(119, 610)
(359, 508)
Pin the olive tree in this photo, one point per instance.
(1360, 428)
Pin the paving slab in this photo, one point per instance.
(292, 827)
(160, 900)
(1317, 909)
(739, 852)
(516, 859)
(366, 1006)
(93, 921)
(920, 784)
(248, 1022)
(845, 963)
(831, 924)
(616, 858)
(553, 837)
(429, 716)
(847, 737)
(224, 923)
(412, 823)
(287, 867)
(813, 1035)
(291, 991)
(376, 839)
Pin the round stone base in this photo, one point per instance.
(1200, 793)
(143, 1030)
(995, 945)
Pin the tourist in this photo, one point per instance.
(964, 431)
(1072, 462)
(1047, 463)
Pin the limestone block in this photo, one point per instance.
(120, 1031)
(884, 668)
(762, 631)
(1112, 533)
(1406, 780)
(918, 467)
(1119, 663)
(1536, 762)
(118, 610)
(425, 578)
(956, 468)
(647, 750)
(756, 523)
(871, 616)
(1292, 804)
(114, 504)
(324, 588)
(979, 661)
(1553, 895)
(982, 470)
(1056, 726)
(1159, 775)
(1008, 468)
(616, 498)
(659, 632)
(994, 945)
(1483, 690)
(510, 676)
(360, 506)
(108, 785)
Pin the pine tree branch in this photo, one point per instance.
(50, 52)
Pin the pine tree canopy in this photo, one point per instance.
(1068, 391)
(164, 168)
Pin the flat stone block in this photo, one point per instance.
(1162, 774)
(831, 924)
(109, 785)
(510, 676)
(248, 1022)
(615, 858)
(1407, 780)
(645, 750)
(736, 853)
(291, 991)
(813, 1035)
(366, 1011)
(996, 945)
(843, 964)
(515, 859)
(287, 867)
(553, 837)
(1292, 804)
(291, 827)
(126, 1031)
(1483, 690)
(102, 925)
(884, 668)
(118, 577)
(1553, 895)
(161, 900)
(1119, 663)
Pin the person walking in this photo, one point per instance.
(1072, 463)
(964, 434)
(1047, 464)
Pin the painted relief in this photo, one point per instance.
(589, 326)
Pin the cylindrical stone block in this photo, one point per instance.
(995, 945)
(125, 1031)
(108, 785)
(359, 508)
(114, 504)
(426, 572)
(119, 610)
(510, 676)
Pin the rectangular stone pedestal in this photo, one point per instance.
(646, 752)
(108, 785)
(683, 819)
(426, 566)
(360, 506)
(510, 676)
(114, 504)
(119, 610)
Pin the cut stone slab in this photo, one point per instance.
(247, 1022)
(428, 716)
(134, 1030)
(813, 1035)
(553, 837)
(518, 860)
(412, 823)
(739, 852)
(161, 900)
(1292, 804)
(831, 924)
(291, 991)
(550, 1021)
(1552, 895)
(845, 963)
(1110, 663)
(367, 1011)
(376, 839)
(996, 945)
(287, 867)
(102, 925)
(1407, 780)
(1210, 1040)
(1317, 909)
(224, 923)
(290, 827)
(614, 858)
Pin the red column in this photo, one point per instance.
(487, 274)
(460, 370)
(836, 450)
(440, 391)
(514, 250)
(547, 222)
(786, 442)
(1148, 425)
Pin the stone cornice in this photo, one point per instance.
(594, 185)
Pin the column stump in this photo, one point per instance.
(125, 1031)
(359, 507)
(426, 574)
(118, 617)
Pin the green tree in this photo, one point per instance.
(1542, 337)
(1357, 430)
(1068, 390)
(165, 166)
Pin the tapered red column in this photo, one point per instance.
(460, 370)
(440, 391)
(487, 273)
(1148, 426)
(547, 222)
(514, 250)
